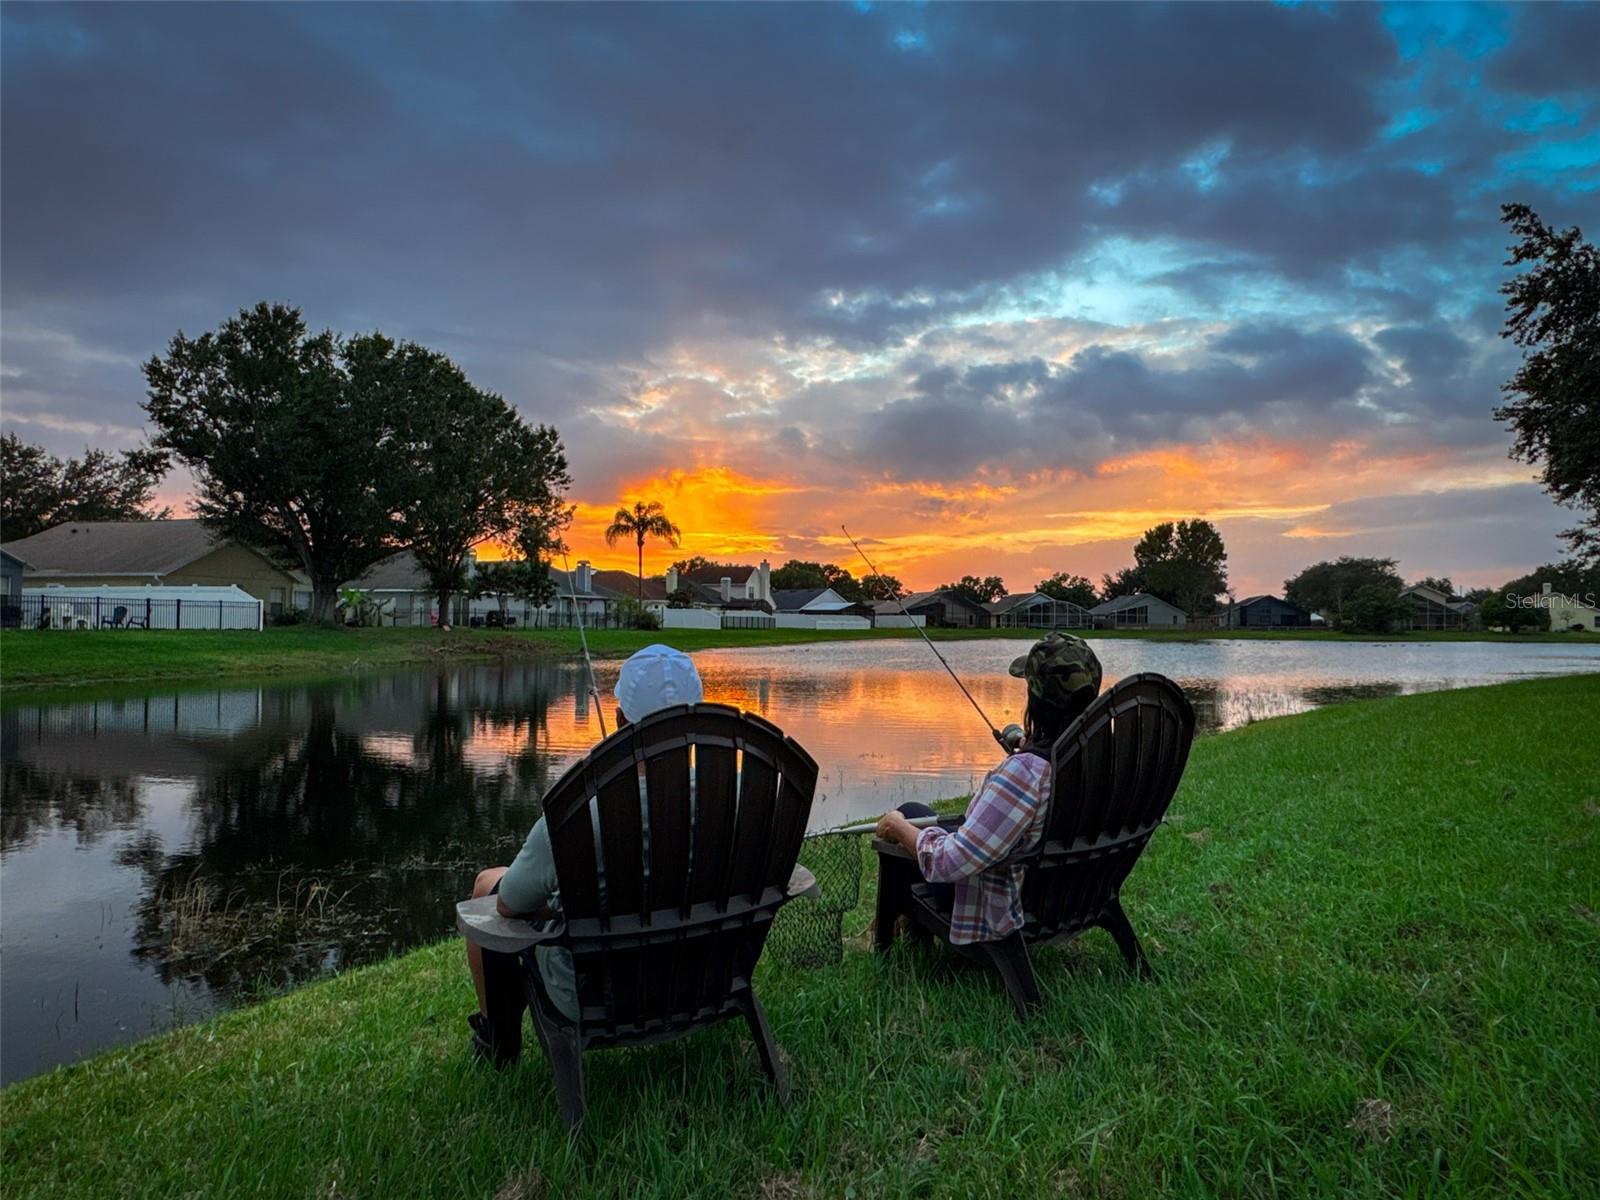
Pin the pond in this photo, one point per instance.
(169, 852)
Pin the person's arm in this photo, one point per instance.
(995, 822)
(529, 884)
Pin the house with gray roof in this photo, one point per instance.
(1138, 611)
(731, 588)
(1264, 612)
(172, 553)
(1036, 610)
(1432, 609)
(945, 607)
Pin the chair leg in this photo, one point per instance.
(1116, 923)
(895, 876)
(766, 1046)
(564, 1052)
(1009, 957)
(506, 997)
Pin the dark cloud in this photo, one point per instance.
(587, 177)
(884, 216)
(1554, 50)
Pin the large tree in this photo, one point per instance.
(39, 491)
(881, 587)
(699, 562)
(474, 469)
(1374, 608)
(1326, 586)
(979, 591)
(646, 519)
(291, 438)
(1553, 314)
(1129, 581)
(797, 573)
(1063, 585)
(1184, 563)
(1511, 610)
(521, 579)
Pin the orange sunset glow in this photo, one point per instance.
(1270, 496)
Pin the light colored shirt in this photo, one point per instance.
(529, 885)
(1006, 816)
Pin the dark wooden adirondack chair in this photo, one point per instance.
(675, 845)
(1113, 773)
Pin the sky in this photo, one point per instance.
(997, 286)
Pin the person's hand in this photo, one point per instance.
(893, 827)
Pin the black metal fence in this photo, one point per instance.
(41, 610)
(543, 618)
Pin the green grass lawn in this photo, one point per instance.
(33, 659)
(1376, 929)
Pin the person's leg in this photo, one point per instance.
(485, 883)
(895, 877)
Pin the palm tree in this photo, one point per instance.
(642, 521)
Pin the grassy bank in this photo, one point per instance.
(1378, 947)
(32, 659)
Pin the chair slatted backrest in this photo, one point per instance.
(1113, 774)
(674, 842)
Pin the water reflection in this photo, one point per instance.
(165, 853)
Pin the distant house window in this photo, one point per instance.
(275, 602)
(302, 597)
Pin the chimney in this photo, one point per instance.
(727, 589)
(584, 577)
(764, 589)
(1547, 589)
(672, 580)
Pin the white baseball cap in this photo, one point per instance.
(657, 677)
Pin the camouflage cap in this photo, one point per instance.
(1057, 666)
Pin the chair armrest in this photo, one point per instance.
(480, 922)
(803, 883)
(891, 849)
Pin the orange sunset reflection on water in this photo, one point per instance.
(887, 725)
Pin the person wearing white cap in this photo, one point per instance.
(656, 677)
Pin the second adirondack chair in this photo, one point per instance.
(1113, 773)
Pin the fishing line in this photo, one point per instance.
(1009, 740)
(583, 640)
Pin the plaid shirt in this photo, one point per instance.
(1006, 815)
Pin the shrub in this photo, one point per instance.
(633, 615)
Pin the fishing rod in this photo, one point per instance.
(583, 640)
(1011, 737)
(872, 827)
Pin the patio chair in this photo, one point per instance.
(675, 843)
(1113, 774)
(118, 618)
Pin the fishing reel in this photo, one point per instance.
(1010, 738)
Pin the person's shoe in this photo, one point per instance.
(483, 1046)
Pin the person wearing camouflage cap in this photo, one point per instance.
(1063, 676)
(969, 867)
